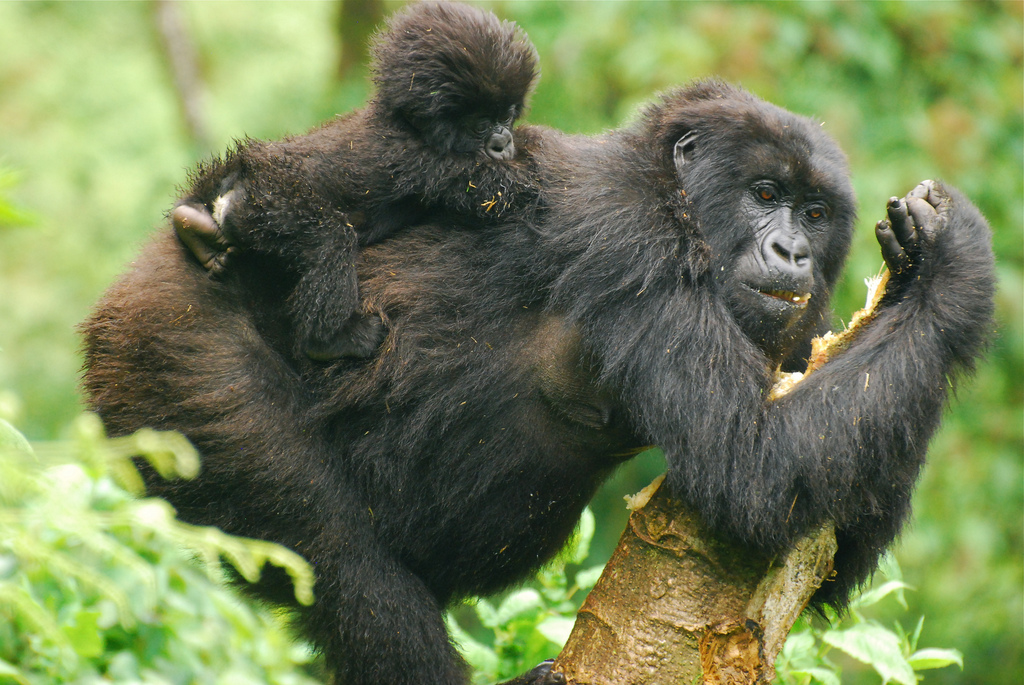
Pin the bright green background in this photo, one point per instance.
(91, 128)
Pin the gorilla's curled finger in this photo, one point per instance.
(898, 237)
(903, 225)
(892, 252)
(929, 205)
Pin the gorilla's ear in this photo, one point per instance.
(684, 149)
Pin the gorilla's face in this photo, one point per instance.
(489, 134)
(775, 205)
(775, 275)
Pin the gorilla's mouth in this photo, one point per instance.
(787, 296)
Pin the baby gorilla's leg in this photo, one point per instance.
(325, 302)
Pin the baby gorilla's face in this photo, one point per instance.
(489, 134)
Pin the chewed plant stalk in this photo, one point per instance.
(826, 347)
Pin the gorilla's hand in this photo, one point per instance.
(540, 675)
(912, 222)
(202, 235)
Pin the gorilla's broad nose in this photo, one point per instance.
(499, 145)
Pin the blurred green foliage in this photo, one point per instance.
(506, 636)
(811, 650)
(91, 129)
(99, 586)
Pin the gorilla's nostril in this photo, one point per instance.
(789, 251)
(781, 251)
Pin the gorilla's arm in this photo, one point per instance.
(375, 620)
(260, 200)
(847, 443)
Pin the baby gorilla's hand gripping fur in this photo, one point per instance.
(324, 332)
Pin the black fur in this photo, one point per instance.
(522, 365)
(435, 140)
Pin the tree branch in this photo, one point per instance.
(356, 22)
(678, 604)
(183, 62)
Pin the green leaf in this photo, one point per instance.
(876, 646)
(580, 546)
(912, 639)
(557, 629)
(935, 658)
(517, 604)
(819, 675)
(12, 441)
(876, 595)
(481, 657)
(799, 653)
(799, 643)
(487, 614)
(10, 671)
(588, 577)
(85, 634)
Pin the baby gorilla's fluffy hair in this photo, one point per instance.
(435, 142)
(440, 64)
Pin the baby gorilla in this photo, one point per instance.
(435, 142)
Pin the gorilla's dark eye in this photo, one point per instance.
(766, 192)
(816, 212)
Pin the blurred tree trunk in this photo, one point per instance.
(678, 605)
(182, 60)
(357, 20)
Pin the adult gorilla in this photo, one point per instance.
(677, 263)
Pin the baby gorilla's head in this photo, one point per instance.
(457, 75)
